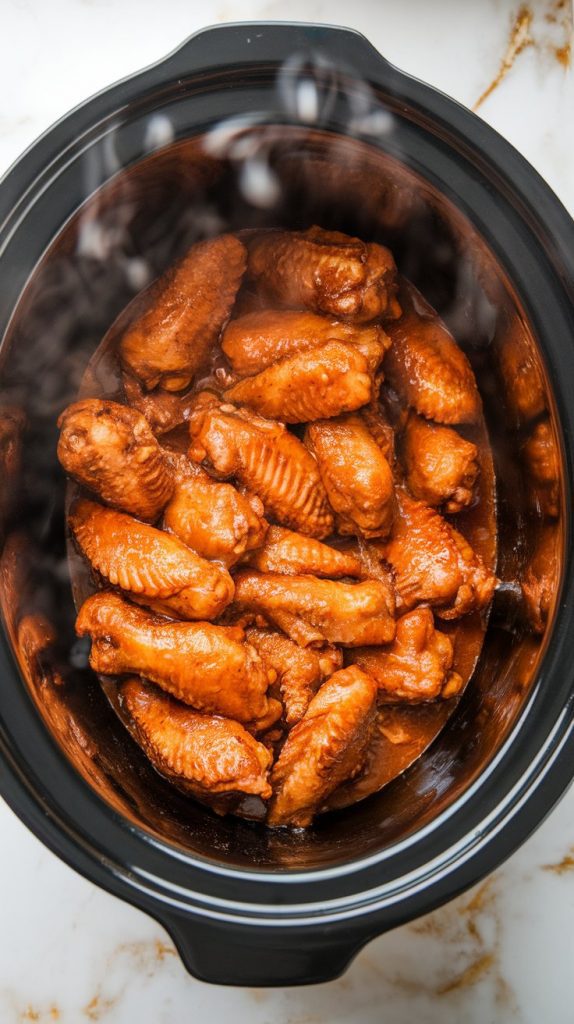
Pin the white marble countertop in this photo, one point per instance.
(504, 951)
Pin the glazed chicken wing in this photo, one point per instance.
(300, 670)
(214, 519)
(182, 315)
(265, 458)
(416, 666)
(441, 467)
(320, 382)
(111, 450)
(313, 611)
(260, 339)
(201, 754)
(541, 458)
(205, 666)
(380, 428)
(295, 554)
(326, 747)
(520, 372)
(154, 568)
(356, 475)
(434, 564)
(327, 272)
(430, 372)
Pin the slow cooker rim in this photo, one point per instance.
(17, 792)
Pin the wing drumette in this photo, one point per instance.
(300, 670)
(441, 467)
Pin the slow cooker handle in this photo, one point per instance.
(222, 46)
(256, 956)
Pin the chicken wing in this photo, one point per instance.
(325, 748)
(441, 467)
(201, 754)
(214, 519)
(260, 339)
(320, 382)
(162, 409)
(182, 315)
(541, 458)
(327, 272)
(356, 475)
(111, 450)
(300, 670)
(313, 611)
(154, 568)
(265, 458)
(206, 666)
(434, 563)
(416, 666)
(430, 372)
(541, 579)
(293, 554)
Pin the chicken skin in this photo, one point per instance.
(325, 748)
(300, 670)
(264, 457)
(214, 519)
(321, 382)
(380, 428)
(182, 315)
(162, 409)
(149, 565)
(260, 339)
(541, 579)
(111, 450)
(356, 475)
(430, 372)
(313, 611)
(293, 554)
(434, 564)
(416, 666)
(326, 272)
(541, 458)
(205, 666)
(441, 467)
(201, 754)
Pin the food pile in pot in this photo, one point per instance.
(272, 511)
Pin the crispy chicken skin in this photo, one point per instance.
(321, 382)
(430, 372)
(294, 554)
(541, 458)
(434, 564)
(416, 666)
(312, 611)
(541, 579)
(163, 410)
(356, 475)
(265, 458)
(441, 467)
(205, 666)
(327, 272)
(201, 754)
(325, 748)
(214, 519)
(300, 670)
(156, 569)
(111, 450)
(260, 339)
(185, 310)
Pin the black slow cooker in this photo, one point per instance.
(251, 125)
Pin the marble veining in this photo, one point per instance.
(502, 952)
